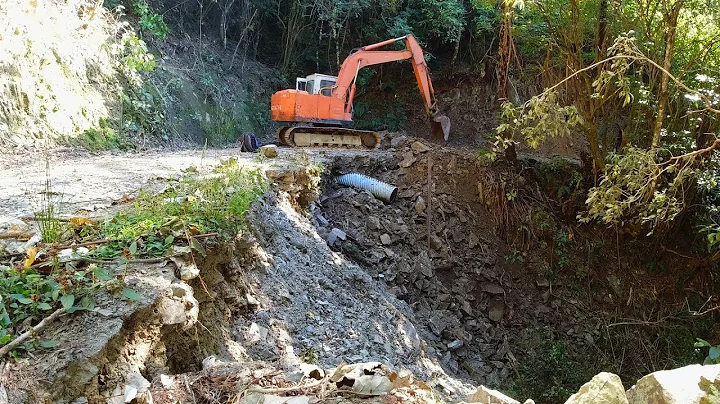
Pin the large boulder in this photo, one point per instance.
(677, 386)
(604, 388)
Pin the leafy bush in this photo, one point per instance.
(150, 21)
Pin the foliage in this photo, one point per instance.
(161, 224)
(28, 296)
(220, 125)
(638, 192)
(535, 121)
(713, 352)
(562, 242)
(547, 371)
(102, 138)
(150, 21)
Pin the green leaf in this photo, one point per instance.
(48, 343)
(714, 353)
(195, 245)
(701, 343)
(103, 274)
(133, 248)
(87, 303)
(25, 300)
(130, 294)
(44, 306)
(169, 240)
(67, 302)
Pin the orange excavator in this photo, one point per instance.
(320, 107)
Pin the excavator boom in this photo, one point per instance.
(333, 104)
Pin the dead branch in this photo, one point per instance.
(35, 330)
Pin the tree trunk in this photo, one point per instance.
(671, 20)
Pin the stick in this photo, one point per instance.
(15, 235)
(38, 328)
(286, 389)
(98, 261)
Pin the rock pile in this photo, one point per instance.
(436, 248)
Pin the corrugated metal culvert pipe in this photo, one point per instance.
(381, 190)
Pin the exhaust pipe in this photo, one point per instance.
(381, 190)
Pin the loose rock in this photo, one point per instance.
(269, 150)
(604, 388)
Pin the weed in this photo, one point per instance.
(191, 206)
(547, 371)
(562, 241)
(29, 296)
(516, 257)
(309, 355)
(220, 126)
(713, 352)
(51, 228)
(102, 138)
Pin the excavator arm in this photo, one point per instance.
(369, 55)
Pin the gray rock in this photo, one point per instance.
(420, 205)
(385, 239)
(336, 234)
(373, 223)
(397, 140)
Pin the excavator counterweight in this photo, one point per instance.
(320, 107)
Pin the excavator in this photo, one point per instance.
(320, 108)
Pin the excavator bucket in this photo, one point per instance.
(441, 127)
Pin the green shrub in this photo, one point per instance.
(150, 21)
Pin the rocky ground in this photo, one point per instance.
(423, 296)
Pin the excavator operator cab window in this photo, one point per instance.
(326, 87)
(301, 84)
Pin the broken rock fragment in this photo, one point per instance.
(336, 234)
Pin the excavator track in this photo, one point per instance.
(308, 136)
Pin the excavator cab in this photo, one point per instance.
(316, 84)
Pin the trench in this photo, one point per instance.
(442, 249)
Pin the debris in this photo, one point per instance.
(496, 310)
(420, 147)
(420, 205)
(72, 252)
(269, 150)
(135, 386)
(336, 234)
(492, 288)
(455, 344)
(187, 268)
(408, 160)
